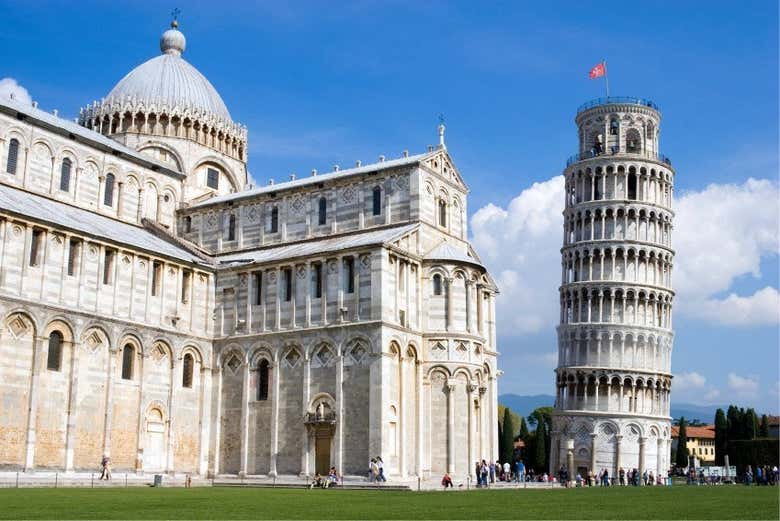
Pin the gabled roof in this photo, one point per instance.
(317, 246)
(63, 127)
(42, 209)
(314, 179)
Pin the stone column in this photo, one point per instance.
(418, 375)
(570, 459)
(339, 435)
(451, 426)
(642, 467)
(308, 293)
(659, 456)
(205, 418)
(305, 407)
(402, 416)
(470, 390)
(73, 405)
(448, 305)
(176, 375)
(618, 465)
(218, 425)
(244, 421)
(593, 469)
(276, 376)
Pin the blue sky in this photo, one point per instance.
(324, 83)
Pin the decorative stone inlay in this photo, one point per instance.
(234, 363)
(348, 194)
(292, 358)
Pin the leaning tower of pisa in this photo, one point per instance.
(615, 335)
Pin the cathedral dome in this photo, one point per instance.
(169, 80)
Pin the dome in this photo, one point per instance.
(170, 80)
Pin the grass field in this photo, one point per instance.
(733, 502)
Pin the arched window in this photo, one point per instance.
(128, 357)
(633, 141)
(614, 126)
(232, 227)
(262, 381)
(437, 287)
(187, 224)
(13, 156)
(108, 196)
(323, 211)
(650, 131)
(54, 360)
(632, 186)
(442, 213)
(377, 200)
(65, 175)
(273, 226)
(186, 371)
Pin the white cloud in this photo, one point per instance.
(9, 86)
(521, 245)
(743, 386)
(711, 395)
(762, 307)
(721, 233)
(692, 380)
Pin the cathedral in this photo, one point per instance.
(157, 309)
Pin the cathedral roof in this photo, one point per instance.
(169, 80)
(449, 253)
(319, 246)
(46, 210)
(314, 179)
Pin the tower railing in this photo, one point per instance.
(614, 100)
(591, 154)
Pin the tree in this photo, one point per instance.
(541, 416)
(735, 423)
(524, 429)
(681, 459)
(763, 430)
(721, 436)
(540, 454)
(751, 424)
(508, 437)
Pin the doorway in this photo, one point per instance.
(322, 453)
(154, 448)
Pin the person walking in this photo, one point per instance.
(507, 471)
(380, 470)
(373, 471)
(483, 470)
(492, 469)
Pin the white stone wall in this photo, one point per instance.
(138, 191)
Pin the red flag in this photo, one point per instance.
(598, 71)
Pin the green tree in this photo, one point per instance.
(540, 454)
(541, 416)
(721, 436)
(524, 429)
(681, 458)
(751, 424)
(763, 430)
(735, 423)
(508, 437)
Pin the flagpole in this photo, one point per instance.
(606, 76)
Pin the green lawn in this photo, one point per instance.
(732, 502)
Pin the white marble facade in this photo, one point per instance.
(157, 309)
(615, 335)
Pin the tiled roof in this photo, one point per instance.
(706, 431)
(304, 181)
(40, 208)
(448, 252)
(317, 246)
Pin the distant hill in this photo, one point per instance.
(524, 405)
